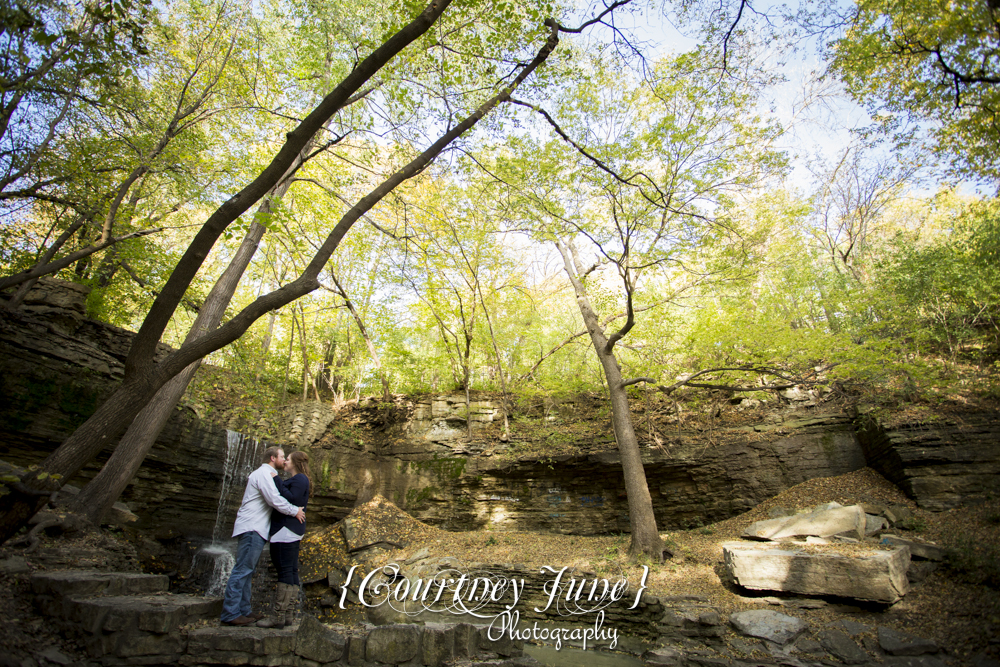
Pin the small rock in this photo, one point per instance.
(897, 513)
(314, 641)
(919, 570)
(745, 647)
(392, 644)
(710, 618)
(336, 578)
(842, 647)
(832, 505)
(807, 604)
(920, 550)
(897, 643)
(420, 554)
(807, 645)
(853, 628)
(663, 657)
(54, 655)
(874, 524)
(14, 565)
(913, 661)
(769, 625)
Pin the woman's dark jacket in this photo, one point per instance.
(295, 490)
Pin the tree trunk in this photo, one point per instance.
(503, 380)
(305, 352)
(645, 537)
(288, 359)
(266, 345)
(369, 343)
(102, 491)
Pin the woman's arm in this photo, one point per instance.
(284, 489)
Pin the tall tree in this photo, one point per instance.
(658, 166)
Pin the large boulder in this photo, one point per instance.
(875, 576)
(848, 521)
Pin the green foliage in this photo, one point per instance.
(943, 295)
(922, 61)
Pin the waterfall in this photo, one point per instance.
(243, 454)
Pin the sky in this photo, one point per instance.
(822, 130)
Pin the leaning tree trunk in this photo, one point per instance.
(642, 521)
(645, 537)
(102, 491)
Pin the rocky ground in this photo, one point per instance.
(957, 605)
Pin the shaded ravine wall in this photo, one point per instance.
(56, 366)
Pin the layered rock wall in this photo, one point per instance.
(56, 367)
(938, 463)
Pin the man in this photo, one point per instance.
(252, 524)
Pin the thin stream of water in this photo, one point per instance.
(242, 457)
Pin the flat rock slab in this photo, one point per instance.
(842, 647)
(65, 583)
(917, 549)
(850, 521)
(158, 614)
(875, 576)
(769, 625)
(897, 643)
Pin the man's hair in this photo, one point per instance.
(271, 452)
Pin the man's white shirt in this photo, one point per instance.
(261, 495)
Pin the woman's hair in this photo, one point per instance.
(301, 462)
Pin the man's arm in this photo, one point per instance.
(274, 499)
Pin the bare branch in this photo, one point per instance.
(629, 383)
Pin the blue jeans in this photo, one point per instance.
(237, 599)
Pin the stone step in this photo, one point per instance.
(66, 583)
(131, 626)
(243, 646)
(160, 614)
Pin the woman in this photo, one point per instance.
(285, 538)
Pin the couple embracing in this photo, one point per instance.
(273, 510)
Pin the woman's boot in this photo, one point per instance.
(282, 602)
(293, 604)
